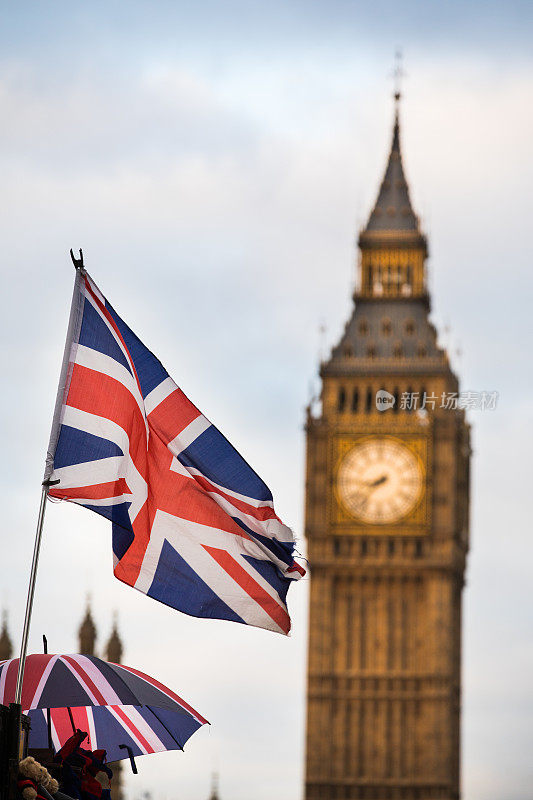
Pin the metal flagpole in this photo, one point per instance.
(31, 592)
(73, 331)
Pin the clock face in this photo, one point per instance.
(380, 481)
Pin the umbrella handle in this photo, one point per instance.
(130, 753)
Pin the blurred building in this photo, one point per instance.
(214, 788)
(6, 645)
(113, 651)
(387, 521)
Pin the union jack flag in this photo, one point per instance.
(193, 525)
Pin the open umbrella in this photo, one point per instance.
(124, 711)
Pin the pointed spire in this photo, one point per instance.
(214, 787)
(114, 648)
(6, 646)
(87, 633)
(393, 210)
(393, 247)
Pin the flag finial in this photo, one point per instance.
(78, 262)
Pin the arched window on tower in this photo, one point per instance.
(341, 399)
(355, 401)
(396, 405)
(368, 403)
(398, 351)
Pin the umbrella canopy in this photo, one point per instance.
(115, 704)
(143, 729)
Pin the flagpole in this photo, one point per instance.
(73, 329)
(31, 592)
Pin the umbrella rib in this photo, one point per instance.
(164, 726)
(121, 679)
(150, 708)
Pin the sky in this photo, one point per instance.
(215, 161)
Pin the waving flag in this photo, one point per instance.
(193, 525)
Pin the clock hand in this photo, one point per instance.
(377, 482)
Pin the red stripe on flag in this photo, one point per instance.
(262, 513)
(188, 501)
(172, 415)
(182, 496)
(98, 491)
(114, 325)
(272, 607)
(103, 396)
(296, 568)
(127, 570)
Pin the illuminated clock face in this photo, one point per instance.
(380, 481)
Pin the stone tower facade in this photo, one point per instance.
(387, 498)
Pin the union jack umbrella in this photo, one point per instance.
(116, 705)
(193, 525)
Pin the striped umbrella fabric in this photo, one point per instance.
(142, 729)
(107, 700)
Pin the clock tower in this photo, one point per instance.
(387, 496)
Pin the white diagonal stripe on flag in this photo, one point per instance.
(188, 435)
(157, 395)
(187, 538)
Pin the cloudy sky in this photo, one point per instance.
(215, 161)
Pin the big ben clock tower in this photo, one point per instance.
(387, 526)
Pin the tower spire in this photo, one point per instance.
(114, 647)
(393, 247)
(87, 632)
(214, 787)
(398, 74)
(6, 647)
(393, 210)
